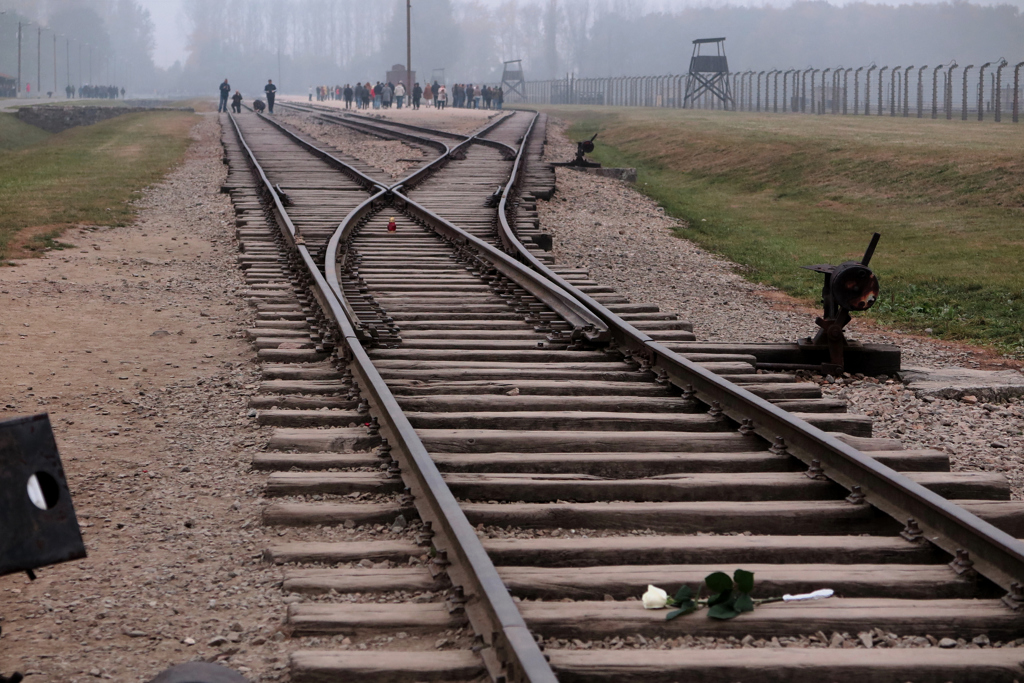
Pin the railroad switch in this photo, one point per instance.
(849, 286)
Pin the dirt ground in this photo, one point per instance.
(133, 342)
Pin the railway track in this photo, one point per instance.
(557, 448)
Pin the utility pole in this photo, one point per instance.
(39, 61)
(67, 53)
(54, 62)
(19, 60)
(408, 49)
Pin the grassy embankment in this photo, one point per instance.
(774, 192)
(83, 176)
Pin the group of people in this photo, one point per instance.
(386, 95)
(102, 92)
(381, 95)
(269, 90)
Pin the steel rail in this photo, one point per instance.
(503, 628)
(997, 555)
(366, 181)
(369, 129)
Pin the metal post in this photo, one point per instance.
(54, 62)
(963, 108)
(67, 54)
(981, 91)
(39, 60)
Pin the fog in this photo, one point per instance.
(180, 47)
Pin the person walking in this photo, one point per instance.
(441, 98)
(348, 96)
(271, 90)
(225, 92)
(399, 94)
(499, 97)
(428, 95)
(417, 93)
(236, 102)
(387, 93)
(487, 96)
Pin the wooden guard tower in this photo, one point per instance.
(512, 79)
(708, 74)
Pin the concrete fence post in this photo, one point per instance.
(867, 91)
(948, 92)
(775, 93)
(906, 91)
(823, 75)
(935, 91)
(981, 90)
(963, 107)
(856, 90)
(881, 79)
(921, 92)
(1016, 91)
(999, 91)
(893, 93)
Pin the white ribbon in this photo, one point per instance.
(816, 595)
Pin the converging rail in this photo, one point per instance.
(508, 400)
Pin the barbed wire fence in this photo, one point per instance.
(872, 90)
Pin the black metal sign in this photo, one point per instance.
(38, 526)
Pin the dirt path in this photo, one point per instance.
(133, 342)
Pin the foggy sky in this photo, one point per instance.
(171, 36)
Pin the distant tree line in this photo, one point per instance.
(97, 41)
(304, 42)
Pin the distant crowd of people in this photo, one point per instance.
(386, 95)
(381, 95)
(101, 92)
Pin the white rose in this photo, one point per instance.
(655, 598)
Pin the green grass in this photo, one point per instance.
(16, 135)
(774, 192)
(83, 176)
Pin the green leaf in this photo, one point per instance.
(743, 603)
(683, 594)
(684, 608)
(722, 612)
(719, 582)
(744, 580)
(719, 598)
